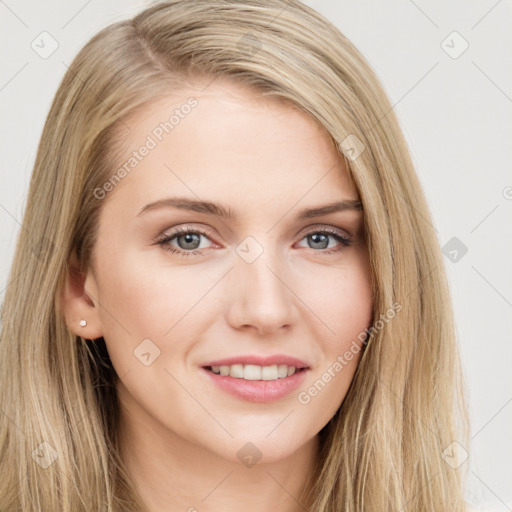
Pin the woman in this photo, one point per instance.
(301, 356)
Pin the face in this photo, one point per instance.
(183, 290)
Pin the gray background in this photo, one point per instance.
(455, 108)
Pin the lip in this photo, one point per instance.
(259, 360)
(261, 391)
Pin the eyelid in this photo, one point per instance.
(343, 238)
(324, 227)
(173, 233)
(187, 228)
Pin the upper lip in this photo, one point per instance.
(259, 361)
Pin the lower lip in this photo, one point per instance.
(258, 390)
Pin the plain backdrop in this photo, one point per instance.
(446, 67)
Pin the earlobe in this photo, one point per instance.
(80, 310)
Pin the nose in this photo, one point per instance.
(262, 297)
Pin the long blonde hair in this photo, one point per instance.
(384, 449)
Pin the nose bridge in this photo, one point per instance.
(262, 297)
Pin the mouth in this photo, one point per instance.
(253, 372)
(254, 383)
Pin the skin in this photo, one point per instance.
(266, 161)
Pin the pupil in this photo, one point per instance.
(324, 243)
(189, 239)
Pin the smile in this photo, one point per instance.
(254, 372)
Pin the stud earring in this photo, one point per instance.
(83, 323)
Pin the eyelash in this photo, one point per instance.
(164, 241)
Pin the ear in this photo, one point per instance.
(78, 301)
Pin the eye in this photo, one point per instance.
(320, 240)
(188, 240)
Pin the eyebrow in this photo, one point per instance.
(219, 210)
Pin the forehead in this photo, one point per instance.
(229, 142)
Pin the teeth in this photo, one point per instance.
(282, 371)
(236, 370)
(255, 372)
(251, 372)
(269, 372)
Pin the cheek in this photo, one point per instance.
(141, 302)
(148, 300)
(350, 306)
(128, 297)
(341, 296)
(346, 307)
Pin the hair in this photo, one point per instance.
(383, 449)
